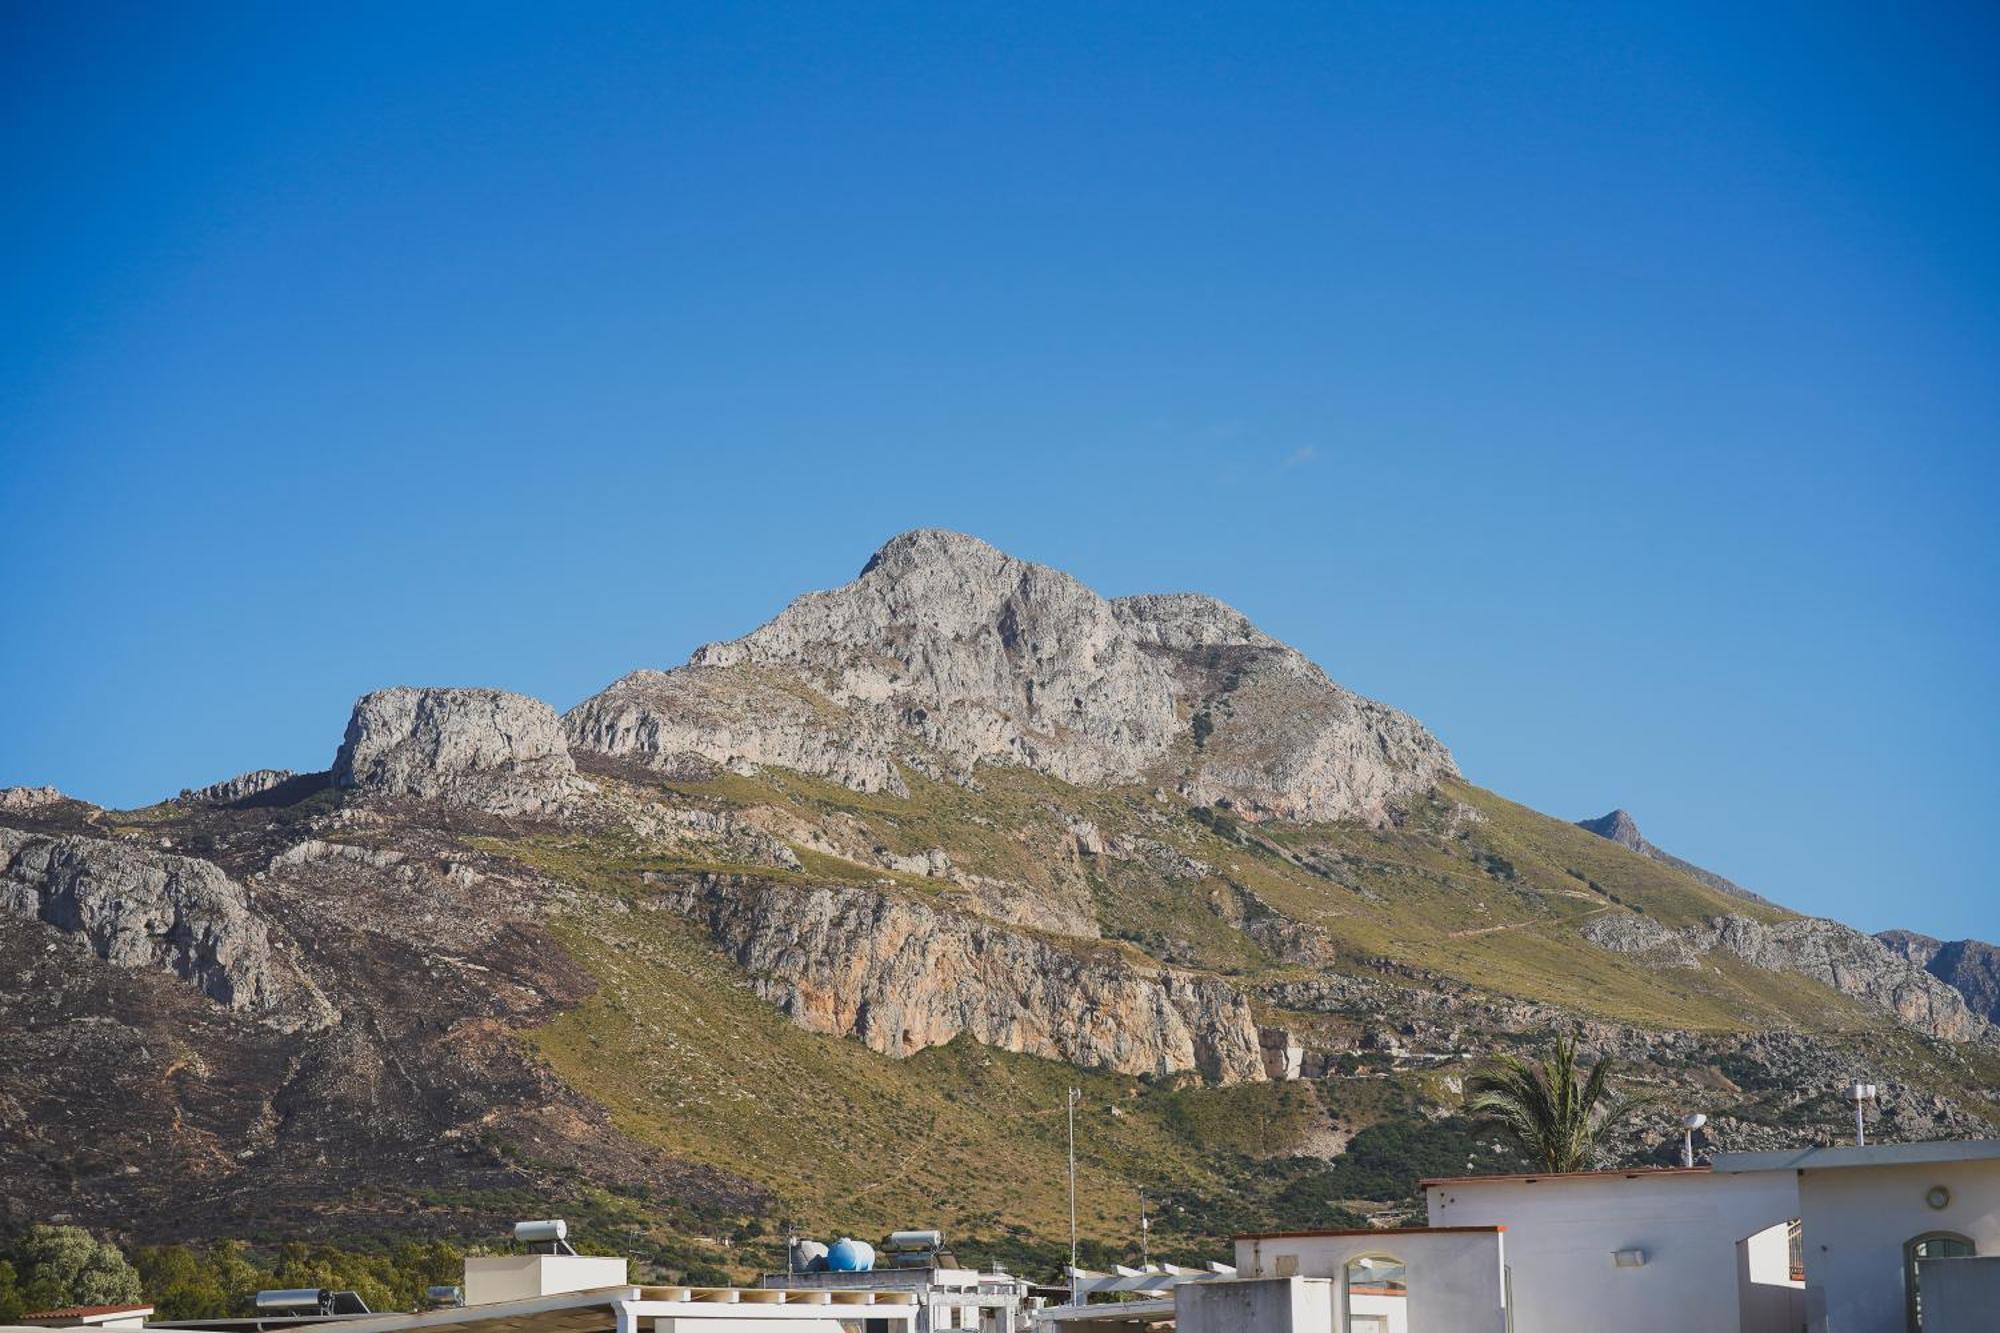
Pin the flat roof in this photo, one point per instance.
(1875, 1154)
(595, 1309)
(86, 1311)
(1363, 1231)
(1531, 1177)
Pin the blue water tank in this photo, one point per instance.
(850, 1256)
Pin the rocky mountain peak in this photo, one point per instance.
(1619, 827)
(946, 654)
(478, 747)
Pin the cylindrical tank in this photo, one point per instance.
(289, 1298)
(850, 1256)
(808, 1256)
(916, 1240)
(542, 1232)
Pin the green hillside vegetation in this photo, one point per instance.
(686, 1057)
(1469, 885)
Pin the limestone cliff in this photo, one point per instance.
(1838, 956)
(477, 747)
(141, 908)
(1970, 967)
(901, 976)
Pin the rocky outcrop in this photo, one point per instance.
(483, 748)
(1857, 965)
(1970, 967)
(1621, 828)
(1631, 933)
(239, 788)
(145, 909)
(902, 976)
(21, 800)
(1850, 962)
(946, 654)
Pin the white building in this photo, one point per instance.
(1448, 1279)
(1662, 1251)
(1830, 1240)
(947, 1297)
(1870, 1218)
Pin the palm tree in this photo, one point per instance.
(1554, 1111)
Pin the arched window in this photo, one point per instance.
(1930, 1245)
(1378, 1295)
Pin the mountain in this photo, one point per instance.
(1971, 967)
(819, 927)
(1621, 828)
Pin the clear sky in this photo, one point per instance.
(1614, 387)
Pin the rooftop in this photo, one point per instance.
(1363, 1231)
(88, 1311)
(1875, 1154)
(1533, 1177)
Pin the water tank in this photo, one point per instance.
(850, 1256)
(808, 1256)
(916, 1240)
(290, 1298)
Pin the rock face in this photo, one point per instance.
(1849, 961)
(483, 748)
(239, 788)
(902, 976)
(20, 800)
(945, 655)
(1970, 967)
(1621, 828)
(144, 909)
(1630, 933)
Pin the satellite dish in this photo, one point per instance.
(1694, 1120)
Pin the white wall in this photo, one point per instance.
(1857, 1219)
(1269, 1305)
(514, 1277)
(1563, 1230)
(1456, 1278)
(1770, 1300)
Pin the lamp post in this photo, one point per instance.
(1861, 1094)
(1689, 1124)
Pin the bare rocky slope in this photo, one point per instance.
(945, 655)
(900, 865)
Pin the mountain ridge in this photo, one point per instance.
(959, 827)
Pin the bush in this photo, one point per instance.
(60, 1266)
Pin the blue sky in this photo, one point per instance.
(1616, 391)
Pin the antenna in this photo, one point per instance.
(1145, 1233)
(1690, 1122)
(1861, 1094)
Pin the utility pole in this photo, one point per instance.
(1075, 1096)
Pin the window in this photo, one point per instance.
(1378, 1295)
(1930, 1245)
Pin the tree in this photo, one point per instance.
(68, 1266)
(12, 1307)
(1555, 1111)
(181, 1285)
